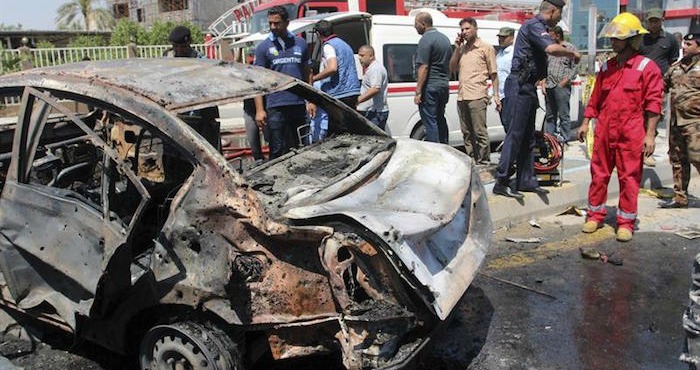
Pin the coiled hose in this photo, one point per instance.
(550, 151)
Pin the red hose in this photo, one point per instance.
(550, 153)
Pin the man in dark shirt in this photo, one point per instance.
(180, 38)
(532, 46)
(433, 77)
(659, 45)
(205, 121)
(283, 111)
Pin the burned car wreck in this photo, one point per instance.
(122, 223)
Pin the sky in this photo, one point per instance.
(32, 14)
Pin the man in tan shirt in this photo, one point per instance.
(475, 62)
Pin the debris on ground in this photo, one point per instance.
(6, 364)
(521, 286)
(590, 253)
(13, 347)
(534, 223)
(613, 260)
(689, 232)
(660, 193)
(573, 210)
(594, 254)
(524, 240)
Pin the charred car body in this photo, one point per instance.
(121, 222)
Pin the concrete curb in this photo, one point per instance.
(574, 191)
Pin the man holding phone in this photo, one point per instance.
(475, 63)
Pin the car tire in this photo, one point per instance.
(419, 132)
(190, 344)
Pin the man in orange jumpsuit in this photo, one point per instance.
(626, 101)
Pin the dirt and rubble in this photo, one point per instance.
(602, 315)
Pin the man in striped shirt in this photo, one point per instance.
(560, 72)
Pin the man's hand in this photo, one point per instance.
(459, 40)
(582, 130)
(577, 57)
(311, 110)
(261, 118)
(564, 83)
(497, 100)
(649, 144)
(417, 99)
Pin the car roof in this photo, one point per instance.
(177, 84)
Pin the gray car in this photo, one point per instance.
(123, 224)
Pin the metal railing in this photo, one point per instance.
(56, 56)
(9, 59)
(235, 21)
(156, 51)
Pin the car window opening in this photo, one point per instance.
(67, 158)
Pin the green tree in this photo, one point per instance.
(127, 31)
(160, 31)
(45, 44)
(10, 27)
(8, 62)
(83, 15)
(86, 41)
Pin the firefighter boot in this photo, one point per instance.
(624, 234)
(590, 226)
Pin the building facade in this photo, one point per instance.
(200, 12)
(680, 16)
(606, 10)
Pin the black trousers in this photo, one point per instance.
(520, 139)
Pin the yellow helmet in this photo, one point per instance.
(623, 26)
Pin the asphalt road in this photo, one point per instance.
(535, 305)
(544, 306)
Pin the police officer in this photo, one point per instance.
(180, 38)
(203, 120)
(532, 46)
(683, 82)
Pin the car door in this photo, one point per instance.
(68, 206)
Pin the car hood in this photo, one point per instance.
(429, 208)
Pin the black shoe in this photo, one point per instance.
(506, 191)
(672, 204)
(537, 189)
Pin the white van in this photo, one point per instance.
(395, 41)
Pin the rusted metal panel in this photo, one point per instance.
(441, 239)
(327, 247)
(174, 83)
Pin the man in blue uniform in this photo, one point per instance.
(283, 112)
(532, 46)
(338, 73)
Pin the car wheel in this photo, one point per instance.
(419, 132)
(189, 345)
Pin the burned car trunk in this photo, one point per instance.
(122, 222)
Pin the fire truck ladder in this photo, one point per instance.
(233, 23)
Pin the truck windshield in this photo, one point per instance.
(259, 23)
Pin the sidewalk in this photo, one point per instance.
(572, 192)
(574, 189)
